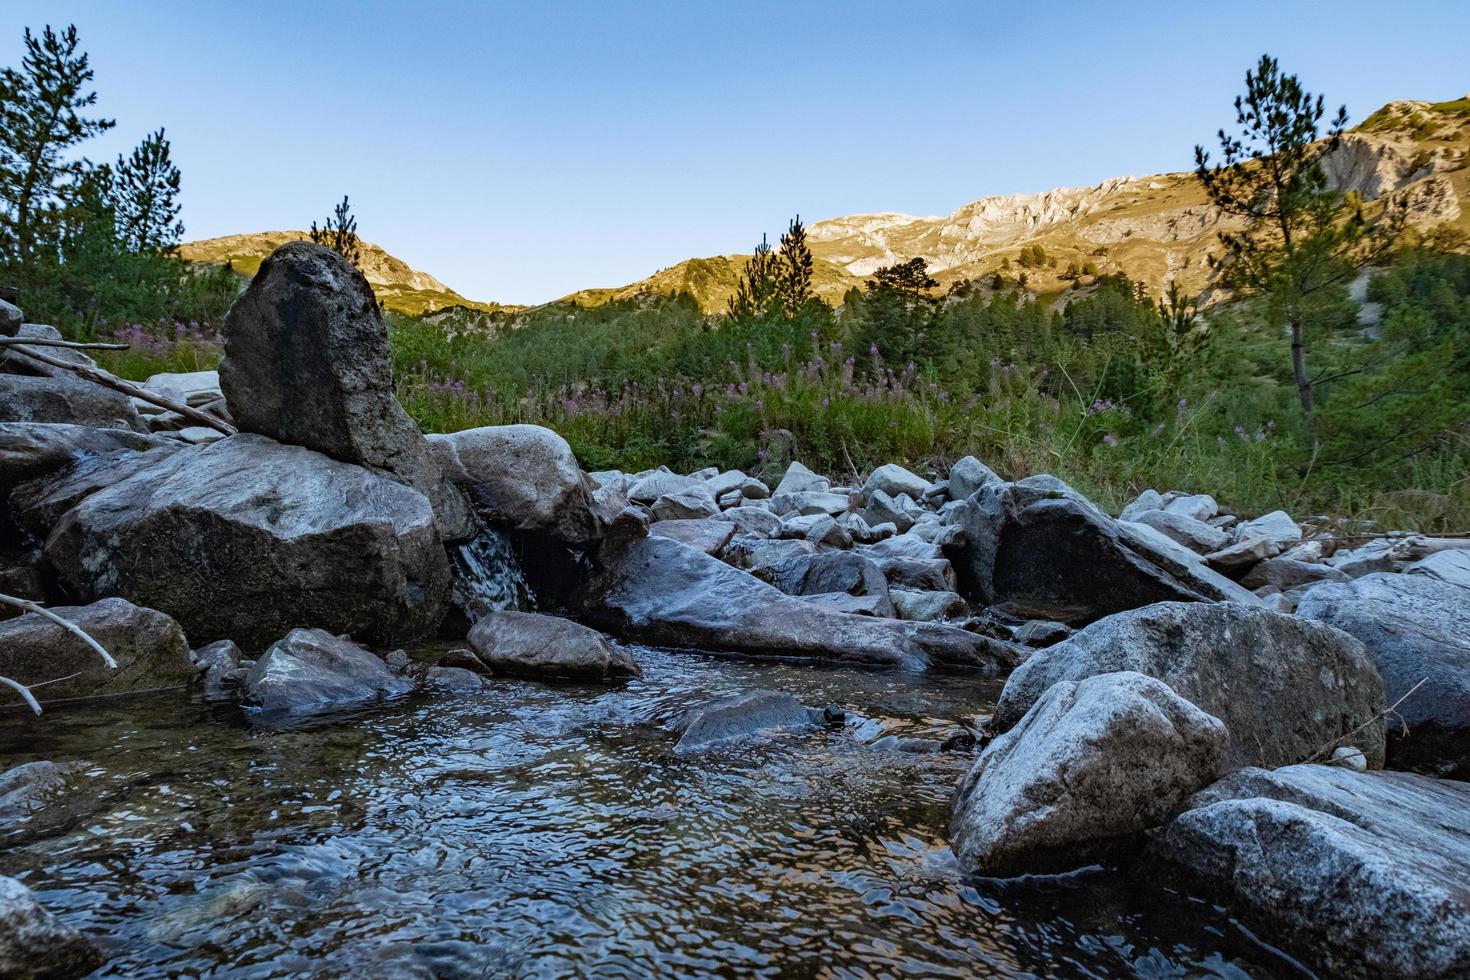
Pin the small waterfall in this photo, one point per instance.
(488, 576)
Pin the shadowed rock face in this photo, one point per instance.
(1284, 686)
(659, 591)
(307, 363)
(33, 943)
(1091, 762)
(246, 539)
(1367, 873)
(150, 650)
(66, 400)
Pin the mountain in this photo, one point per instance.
(397, 286)
(1154, 229)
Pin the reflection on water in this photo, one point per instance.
(551, 831)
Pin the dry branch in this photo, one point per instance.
(1391, 710)
(25, 693)
(70, 627)
(98, 376)
(68, 344)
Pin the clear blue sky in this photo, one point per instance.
(521, 151)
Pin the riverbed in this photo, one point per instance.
(534, 830)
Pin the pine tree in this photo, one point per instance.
(41, 118)
(340, 233)
(1301, 238)
(145, 197)
(795, 287)
(759, 287)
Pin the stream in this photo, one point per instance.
(551, 831)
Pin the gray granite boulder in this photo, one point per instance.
(742, 716)
(533, 645)
(310, 671)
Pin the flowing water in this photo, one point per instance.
(551, 831)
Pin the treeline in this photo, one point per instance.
(88, 243)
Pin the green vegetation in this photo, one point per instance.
(340, 233)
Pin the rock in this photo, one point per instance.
(149, 647)
(706, 474)
(659, 591)
(1415, 629)
(741, 716)
(1363, 874)
(1276, 527)
(967, 475)
(752, 520)
(798, 479)
(1198, 507)
(808, 502)
(892, 480)
(32, 449)
(1241, 557)
(66, 400)
(1193, 534)
(307, 363)
(660, 483)
(1043, 551)
(927, 607)
(1450, 567)
(709, 535)
(816, 528)
(28, 788)
(1379, 555)
(857, 605)
(246, 538)
(219, 661)
(691, 503)
(309, 671)
(1284, 686)
(1350, 757)
(1285, 574)
(34, 943)
(14, 362)
(452, 680)
(38, 504)
(921, 574)
(856, 527)
(533, 645)
(194, 388)
(727, 482)
(521, 477)
(1041, 633)
(815, 573)
(1149, 500)
(904, 546)
(10, 318)
(1090, 763)
(883, 509)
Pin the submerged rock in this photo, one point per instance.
(742, 716)
(1285, 687)
(1415, 629)
(659, 591)
(533, 645)
(1367, 874)
(1091, 762)
(149, 647)
(309, 671)
(34, 943)
(246, 538)
(28, 788)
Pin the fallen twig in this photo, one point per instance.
(24, 692)
(70, 627)
(1392, 709)
(68, 344)
(98, 376)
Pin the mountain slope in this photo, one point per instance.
(1154, 229)
(397, 286)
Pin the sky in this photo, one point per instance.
(521, 151)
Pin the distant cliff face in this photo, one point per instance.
(1154, 229)
(397, 286)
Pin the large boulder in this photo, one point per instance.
(307, 363)
(246, 538)
(893, 480)
(309, 671)
(39, 503)
(148, 646)
(1416, 629)
(1450, 567)
(1043, 551)
(1091, 762)
(523, 477)
(1362, 874)
(818, 572)
(10, 318)
(34, 943)
(1285, 687)
(533, 645)
(659, 591)
(66, 400)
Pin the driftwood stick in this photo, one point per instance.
(98, 376)
(1385, 713)
(24, 692)
(68, 344)
(70, 627)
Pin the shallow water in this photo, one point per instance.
(540, 831)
